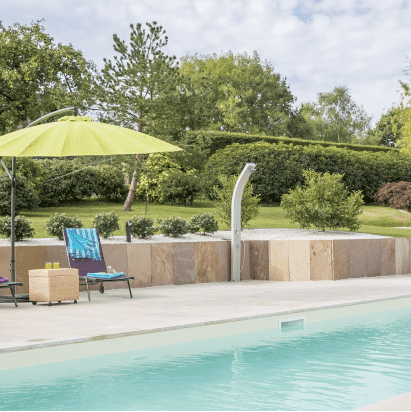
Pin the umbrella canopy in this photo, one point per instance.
(71, 136)
(79, 136)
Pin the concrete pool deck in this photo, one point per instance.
(169, 307)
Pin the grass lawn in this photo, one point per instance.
(376, 220)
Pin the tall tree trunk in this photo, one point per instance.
(133, 185)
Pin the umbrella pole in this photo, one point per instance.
(13, 216)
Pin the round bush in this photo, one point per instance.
(111, 185)
(173, 226)
(179, 187)
(203, 222)
(142, 227)
(56, 224)
(26, 197)
(68, 186)
(22, 229)
(395, 195)
(106, 223)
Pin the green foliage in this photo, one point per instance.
(38, 76)
(142, 227)
(173, 226)
(56, 224)
(388, 130)
(211, 141)
(395, 195)
(64, 181)
(179, 187)
(22, 229)
(167, 181)
(106, 223)
(224, 192)
(323, 203)
(203, 222)
(246, 94)
(280, 166)
(26, 196)
(336, 117)
(110, 184)
(143, 87)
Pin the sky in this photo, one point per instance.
(316, 45)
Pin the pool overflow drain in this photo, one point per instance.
(291, 325)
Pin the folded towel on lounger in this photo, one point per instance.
(103, 275)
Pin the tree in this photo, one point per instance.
(143, 89)
(405, 105)
(246, 94)
(224, 193)
(388, 130)
(335, 117)
(38, 76)
(323, 203)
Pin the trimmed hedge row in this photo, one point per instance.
(214, 141)
(279, 167)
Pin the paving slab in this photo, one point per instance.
(167, 307)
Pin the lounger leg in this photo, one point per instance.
(14, 297)
(131, 296)
(88, 292)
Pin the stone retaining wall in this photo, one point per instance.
(177, 263)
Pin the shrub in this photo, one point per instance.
(106, 223)
(249, 204)
(142, 227)
(280, 167)
(26, 197)
(56, 224)
(395, 195)
(165, 180)
(110, 183)
(179, 187)
(324, 202)
(72, 183)
(22, 228)
(204, 222)
(173, 226)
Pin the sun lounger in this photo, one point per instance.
(9, 285)
(85, 254)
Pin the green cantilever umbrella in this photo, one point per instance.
(71, 136)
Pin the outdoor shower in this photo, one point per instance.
(236, 220)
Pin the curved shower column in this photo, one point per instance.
(236, 220)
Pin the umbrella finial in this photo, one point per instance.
(75, 110)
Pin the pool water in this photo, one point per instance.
(331, 365)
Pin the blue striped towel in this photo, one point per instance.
(83, 243)
(106, 275)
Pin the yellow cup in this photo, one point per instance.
(48, 265)
(56, 265)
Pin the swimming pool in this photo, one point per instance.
(341, 358)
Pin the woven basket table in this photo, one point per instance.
(53, 285)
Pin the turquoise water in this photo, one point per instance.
(331, 365)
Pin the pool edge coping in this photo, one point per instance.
(192, 325)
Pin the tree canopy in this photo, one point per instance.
(335, 117)
(142, 88)
(38, 76)
(405, 106)
(246, 94)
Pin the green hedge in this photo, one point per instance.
(279, 167)
(214, 141)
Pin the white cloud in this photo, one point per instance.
(358, 43)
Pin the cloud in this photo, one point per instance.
(317, 45)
